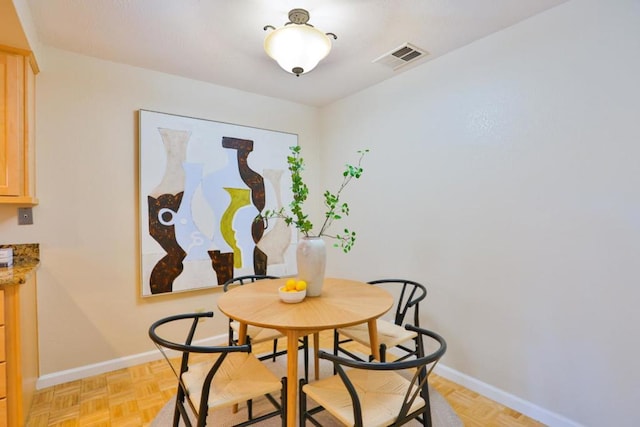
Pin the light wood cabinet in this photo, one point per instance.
(19, 370)
(17, 127)
(3, 366)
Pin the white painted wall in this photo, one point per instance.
(86, 223)
(505, 176)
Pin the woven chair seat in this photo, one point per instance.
(241, 377)
(258, 334)
(389, 333)
(381, 392)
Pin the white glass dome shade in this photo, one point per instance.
(297, 48)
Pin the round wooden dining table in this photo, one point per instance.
(343, 302)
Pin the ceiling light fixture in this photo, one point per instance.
(297, 46)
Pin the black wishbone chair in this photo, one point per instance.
(390, 334)
(259, 335)
(370, 394)
(222, 376)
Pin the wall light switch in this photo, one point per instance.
(25, 216)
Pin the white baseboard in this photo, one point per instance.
(527, 408)
(61, 377)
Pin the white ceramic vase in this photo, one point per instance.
(311, 257)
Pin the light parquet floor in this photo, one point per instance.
(131, 397)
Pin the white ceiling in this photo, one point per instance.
(220, 41)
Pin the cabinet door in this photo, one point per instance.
(3, 412)
(3, 367)
(11, 124)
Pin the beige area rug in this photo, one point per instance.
(442, 414)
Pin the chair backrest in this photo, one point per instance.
(187, 348)
(241, 280)
(409, 300)
(419, 367)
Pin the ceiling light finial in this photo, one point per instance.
(297, 46)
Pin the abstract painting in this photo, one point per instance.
(203, 185)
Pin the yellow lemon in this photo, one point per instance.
(291, 284)
(301, 285)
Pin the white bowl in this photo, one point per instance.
(292, 297)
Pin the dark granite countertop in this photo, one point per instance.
(26, 259)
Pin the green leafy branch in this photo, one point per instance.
(335, 208)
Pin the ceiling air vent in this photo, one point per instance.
(401, 56)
